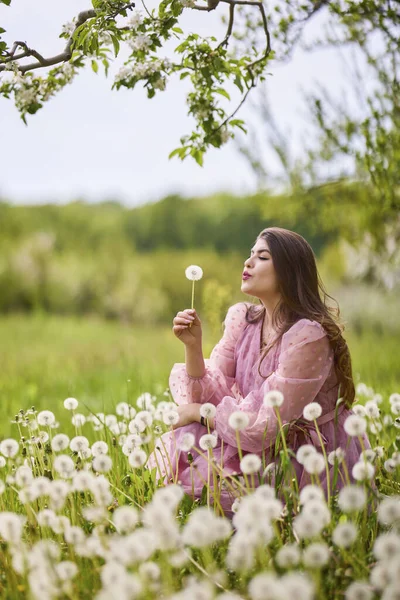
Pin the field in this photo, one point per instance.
(47, 359)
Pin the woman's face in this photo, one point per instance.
(262, 282)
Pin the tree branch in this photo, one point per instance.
(40, 60)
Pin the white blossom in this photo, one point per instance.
(362, 471)
(352, 498)
(344, 534)
(46, 418)
(193, 272)
(208, 410)
(355, 426)
(59, 442)
(316, 555)
(187, 442)
(312, 411)
(250, 463)
(238, 420)
(208, 441)
(9, 447)
(273, 398)
(71, 403)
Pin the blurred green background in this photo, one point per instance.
(88, 291)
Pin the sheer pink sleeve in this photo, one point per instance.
(219, 375)
(304, 364)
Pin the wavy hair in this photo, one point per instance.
(303, 296)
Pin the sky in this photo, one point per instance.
(92, 143)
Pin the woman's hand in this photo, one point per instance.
(188, 413)
(189, 335)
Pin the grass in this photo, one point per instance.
(46, 359)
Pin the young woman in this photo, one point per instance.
(290, 343)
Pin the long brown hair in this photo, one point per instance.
(303, 297)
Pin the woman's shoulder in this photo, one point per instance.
(235, 319)
(303, 331)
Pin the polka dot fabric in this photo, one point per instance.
(300, 365)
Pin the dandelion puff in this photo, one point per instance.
(367, 454)
(352, 498)
(390, 465)
(150, 571)
(208, 441)
(46, 418)
(145, 401)
(337, 455)
(66, 570)
(389, 510)
(79, 443)
(344, 534)
(59, 442)
(208, 410)
(312, 411)
(194, 273)
(3, 461)
(265, 586)
(78, 420)
(238, 420)
(371, 410)
(187, 442)
(250, 463)
(297, 585)
(317, 510)
(137, 458)
(99, 448)
(307, 527)
(71, 403)
(273, 398)
(11, 526)
(386, 545)
(304, 451)
(362, 471)
(379, 577)
(355, 426)
(359, 590)
(64, 465)
(170, 417)
(310, 493)
(316, 555)
(9, 447)
(23, 476)
(394, 398)
(359, 410)
(102, 463)
(288, 556)
(122, 409)
(125, 519)
(314, 464)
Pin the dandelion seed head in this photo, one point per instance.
(194, 272)
(208, 410)
(355, 426)
(208, 441)
(312, 411)
(250, 463)
(46, 418)
(273, 398)
(71, 403)
(238, 420)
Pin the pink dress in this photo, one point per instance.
(300, 365)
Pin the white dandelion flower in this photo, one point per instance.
(371, 410)
(359, 410)
(288, 556)
(250, 463)
(3, 461)
(375, 427)
(102, 463)
(11, 526)
(273, 398)
(187, 442)
(390, 465)
(194, 273)
(71, 403)
(59, 442)
(64, 465)
(137, 458)
(352, 498)
(125, 518)
(379, 577)
(369, 454)
(297, 585)
(314, 464)
(317, 509)
(265, 586)
(46, 418)
(307, 527)
(9, 447)
(312, 411)
(79, 443)
(170, 417)
(355, 426)
(362, 471)
(304, 452)
(66, 570)
(3, 487)
(310, 493)
(99, 447)
(78, 420)
(208, 441)
(344, 534)
(208, 410)
(143, 419)
(386, 545)
(150, 571)
(145, 401)
(337, 455)
(359, 590)
(122, 409)
(238, 420)
(316, 555)
(389, 510)
(395, 408)
(23, 476)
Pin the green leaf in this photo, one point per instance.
(223, 92)
(2, 30)
(185, 74)
(95, 66)
(6, 2)
(116, 44)
(177, 30)
(174, 152)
